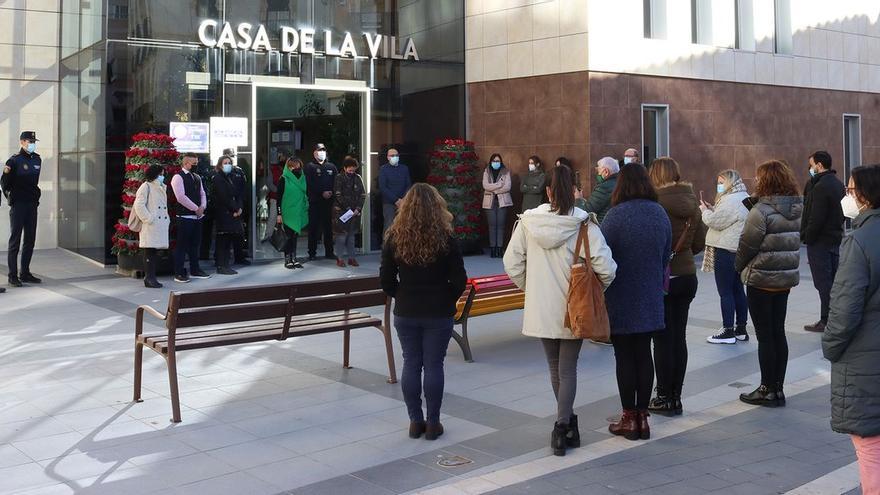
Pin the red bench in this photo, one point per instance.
(484, 296)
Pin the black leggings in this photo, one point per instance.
(292, 237)
(670, 345)
(768, 315)
(635, 369)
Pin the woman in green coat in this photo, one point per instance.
(293, 208)
(534, 184)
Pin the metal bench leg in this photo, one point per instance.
(175, 393)
(389, 351)
(138, 370)
(462, 341)
(346, 347)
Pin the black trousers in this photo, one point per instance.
(635, 369)
(823, 259)
(222, 245)
(292, 238)
(239, 245)
(22, 220)
(321, 225)
(670, 345)
(768, 315)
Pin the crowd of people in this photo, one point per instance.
(643, 251)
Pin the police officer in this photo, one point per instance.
(320, 180)
(20, 184)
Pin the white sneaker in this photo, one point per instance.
(724, 336)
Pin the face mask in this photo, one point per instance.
(160, 179)
(322, 155)
(350, 172)
(227, 168)
(32, 147)
(532, 167)
(720, 188)
(812, 172)
(394, 160)
(627, 160)
(599, 178)
(496, 165)
(850, 206)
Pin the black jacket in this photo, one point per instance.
(21, 178)
(823, 217)
(852, 337)
(226, 202)
(320, 177)
(429, 291)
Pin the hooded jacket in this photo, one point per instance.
(769, 249)
(726, 220)
(538, 260)
(851, 340)
(681, 204)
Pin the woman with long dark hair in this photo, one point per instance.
(496, 202)
(227, 205)
(422, 269)
(768, 260)
(539, 257)
(639, 234)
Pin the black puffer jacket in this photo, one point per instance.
(852, 337)
(769, 249)
(823, 216)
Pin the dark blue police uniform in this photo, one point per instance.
(20, 184)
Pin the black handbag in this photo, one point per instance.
(279, 238)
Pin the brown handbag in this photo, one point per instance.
(585, 313)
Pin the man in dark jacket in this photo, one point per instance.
(394, 182)
(599, 201)
(320, 180)
(822, 229)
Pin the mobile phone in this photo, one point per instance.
(701, 197)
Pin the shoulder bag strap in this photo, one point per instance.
(680, 243)
(582, 234)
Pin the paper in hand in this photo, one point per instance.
(346, 216)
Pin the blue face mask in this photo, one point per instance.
(496, 165)
(160, 179)
(227, 168)
(812, 173)
(720, 188)
(32, 147)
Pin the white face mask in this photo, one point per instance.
(532, 167)
(322, 155)
(850, 206)
(627, 160)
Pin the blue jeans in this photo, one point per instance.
(424, 342)
(823, 259)
(730, 288)
(189, 238)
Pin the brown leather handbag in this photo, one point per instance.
(585, 314)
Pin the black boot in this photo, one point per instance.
(662, 405)
(780, 395)
(288, 261)
(573, 435)
(761, 396)
(677, 407)
(150, 261)
(557, 438)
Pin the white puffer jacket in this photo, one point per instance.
(538, 260)
(726, 221)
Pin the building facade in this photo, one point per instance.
(714, 83)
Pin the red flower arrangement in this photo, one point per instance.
(147, 149)
(455, 173)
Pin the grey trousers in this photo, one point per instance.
(346, 241)
(389, 211)
(562, 357)
(497, 217)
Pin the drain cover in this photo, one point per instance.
(738, 385)
(453, 461)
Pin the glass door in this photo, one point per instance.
(295, 119)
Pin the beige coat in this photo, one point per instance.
(499, 188)
(538, 260)
(152, 209)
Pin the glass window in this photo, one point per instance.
(654, 18)
(783, 36)
(655, 132)
(711, 22)
(745, 25)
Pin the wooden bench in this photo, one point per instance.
(241, 315)
(484, 296)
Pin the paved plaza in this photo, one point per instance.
(285, 417)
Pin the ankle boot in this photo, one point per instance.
(416, 428)
(573, 435)
(644, 427)
(761, 396)
(780, 395)
(628, 426)
(150, 281)
(557, 438)
(677, 407)
(662, 405)
(433, 430)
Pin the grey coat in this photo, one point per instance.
(852, 337)
(769, 248)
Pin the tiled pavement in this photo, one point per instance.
(285, 417)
